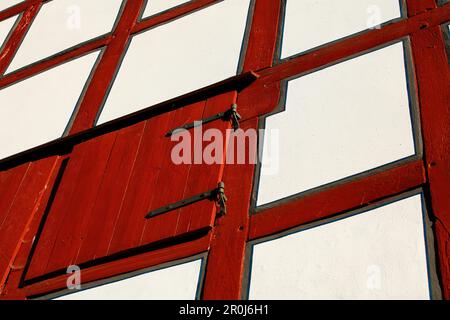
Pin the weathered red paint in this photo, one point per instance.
(28, 195)
(433, 82)
(111, 180)
(225, 266)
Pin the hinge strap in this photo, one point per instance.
(229, 115)
(217, 195)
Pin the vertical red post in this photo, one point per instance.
(433, 80)
(225, 267)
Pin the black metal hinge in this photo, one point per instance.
(229, 115)
(217, 195)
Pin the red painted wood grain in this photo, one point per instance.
(112, 180)
(433, 81)
(111, 193)
(204, 177)
(79, 206)
(126, 231)
(106, 68)
(263, 35)
(338, 199)
(19, 261)
(225, 266)
(172, 181)
(74, 195)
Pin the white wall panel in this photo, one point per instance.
(379, 254)
(311, 23)
(38, 109)
(5, 4)
(178, 57)
(174, 283)
(157, 6)
(62, 24)
(339, 121)
(5, 28)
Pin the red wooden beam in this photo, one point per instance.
(114, 268)
(225, 267)
(22, 210)
(46, 64)
(263, 35)
(18, 8)
(17, 35)
(433, 81)
(224, 273)
(344, 197)
(354, 45)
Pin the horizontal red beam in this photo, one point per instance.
(341, 198)
(117, 267)
(354, 45)
(52, 62)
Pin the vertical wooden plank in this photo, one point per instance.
(433, 80)
(10, 181)
(96, 154)
(45, 240)
(225, 267)
(60, 212)
(111, 193)
(126, 231)
(22, 210)
(172, 180)
(204, 177)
